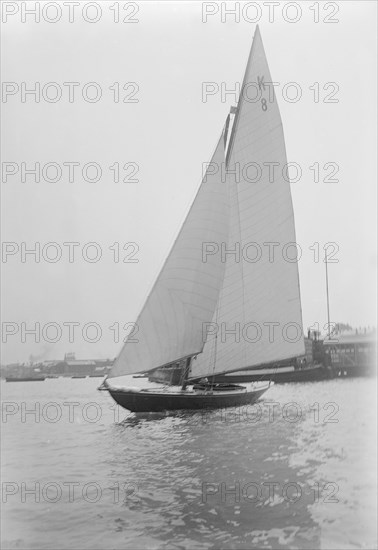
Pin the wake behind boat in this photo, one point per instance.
(201, 290)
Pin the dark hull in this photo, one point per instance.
(25, 379)
(303, 375)
(158, 402)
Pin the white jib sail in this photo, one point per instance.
(258, 319)
(186, 291)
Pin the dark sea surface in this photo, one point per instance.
(297, 470)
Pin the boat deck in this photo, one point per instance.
(143, 385)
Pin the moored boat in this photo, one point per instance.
(25, 378)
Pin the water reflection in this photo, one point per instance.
(215, 478)
(221, 479)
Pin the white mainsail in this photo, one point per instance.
(258, 318)
(186, 291)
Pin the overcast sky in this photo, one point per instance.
(169, 133)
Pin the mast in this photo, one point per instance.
(236, 110)
(327, 291)
(186, 373)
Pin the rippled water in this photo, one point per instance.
(276, 475)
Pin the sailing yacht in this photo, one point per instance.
(205, 314)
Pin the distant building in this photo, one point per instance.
(80, 367)
(352, 352)
(70, 366)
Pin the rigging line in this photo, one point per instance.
(241, 267)
(326, 270)
(229, 156)
(239, 104)
(218, 304)
(168, 257)
(216, 342)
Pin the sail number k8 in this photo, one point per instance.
(264, 92)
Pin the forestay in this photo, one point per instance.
(186, 291)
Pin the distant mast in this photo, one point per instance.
(327, 291)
